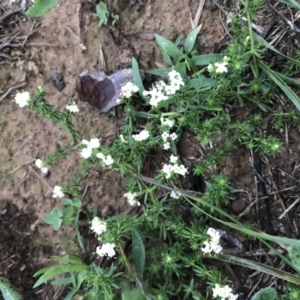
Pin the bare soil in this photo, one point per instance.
(68, 40)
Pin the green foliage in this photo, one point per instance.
(138, 254)
(265, 294)
(40, 7)
(8, 293)
(54, 218)
(102, 13)
(65, 266)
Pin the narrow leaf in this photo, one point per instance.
(284, 87)
(191, 39)
(7, 292)
(206, 59)
(259, 267)
(292, 3)
(169, 47)
(40, 7)
(137, 80)
(138, 253)
(60, 269)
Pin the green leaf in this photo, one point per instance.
(169, 47)
(206, 59)
(53, 271)
(68, 212)
(265, 294)
(40, 7)
(7, 292)
(191, 39)
(138, 253)
(136, 75)
(259, 267)
(292, 3)
(77, 202)
(135, 294)
(202, 82)
(102, 13)
(67, 202)
(61, 281)
(294, 253)
(284, 87)
(54, 218)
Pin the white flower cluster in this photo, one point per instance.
(94, 143)
(108, 160)
(219, 67)
(224, 292)
(72, 107)
(175, 195)
(58, 192)
(106, 249)
(131, 199)
(174, 167)
(98, 226)
(167, 137)
(128, 89)
(214, 243)
(39, 163)
(162, 91)
(168, 122)
(143, 135)
(22, 99)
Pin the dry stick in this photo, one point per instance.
(276, 189)
(83, 47)
(31, 31)
(44, 181)
(190, 15)
(289, 208)
(22, 83)
(199, 13)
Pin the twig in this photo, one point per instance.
(83, 47)
(199, 13)
(16, 86)
(289, 208)
(43, 180)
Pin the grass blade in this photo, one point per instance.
(191, 39)
(283, 86)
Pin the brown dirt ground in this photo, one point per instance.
(26, 242)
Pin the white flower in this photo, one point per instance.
(214, 244)
(143, 135)
(211, 68)
(224, 292)
(221, 67)
(175, 195)
(100, 155)
(22, 99)
(94, 143)
(173, 136)
(86, 153)
(39, 163)
(207, 247)
(167, 146)
(122, 138)
(72, 107)
(226, 59)
(106, 249)
(108, 160)
(98, 226)
(167, 169)
(131, 199)
(57, 192)
(181, 170)
(168, 122)
(128, 89)
(156, 96)
(173, 159)
(119, 101)
(165, 135)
